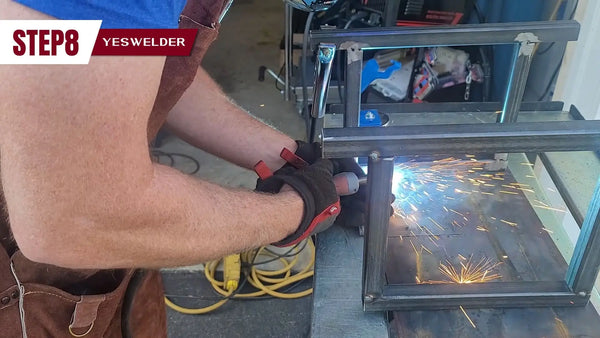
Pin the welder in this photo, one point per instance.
(86, 207)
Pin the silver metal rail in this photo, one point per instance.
(462, 138)
(459, 35)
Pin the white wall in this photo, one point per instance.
(579, 77)
(578, 83)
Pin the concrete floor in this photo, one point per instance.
(249, 37)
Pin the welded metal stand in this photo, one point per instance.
(382, 144)
(523, 35)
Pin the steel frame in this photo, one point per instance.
(523, 35)
(450, 107)
(534, 137)
(378, 296)
(476, 34)
(382, 144)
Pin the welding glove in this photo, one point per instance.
(354, 207)
(306, 153)
(314, 183)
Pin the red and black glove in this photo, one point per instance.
(354, 207)
(306, 153)
(314, 183)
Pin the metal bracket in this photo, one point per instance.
(527, 41)
(354, 65)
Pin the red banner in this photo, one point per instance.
(172, 42)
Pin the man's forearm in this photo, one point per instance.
(176, 221)
(207, 119)
(91, 198)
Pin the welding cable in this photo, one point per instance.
(480, 17)
(158, 154)
(259, 276)
(229, 293)
(553, 17)
(267, 282)
(199, 311)
(554, 75)
(256, 276)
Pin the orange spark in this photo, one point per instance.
(512, 224)
(469, 318)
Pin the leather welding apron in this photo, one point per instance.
(49, 301)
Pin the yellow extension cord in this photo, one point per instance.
(264, 280)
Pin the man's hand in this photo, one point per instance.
(353, 207)
(306, 153)
(314, 183)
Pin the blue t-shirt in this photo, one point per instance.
(114, 14)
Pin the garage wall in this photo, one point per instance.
(578, 84)
(579, 78)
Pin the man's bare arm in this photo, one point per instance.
(80, 188)
(207, 119)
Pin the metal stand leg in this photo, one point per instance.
(379, 180)
(585, 263)
(354, 66)
(521, 63)
(518, 79)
